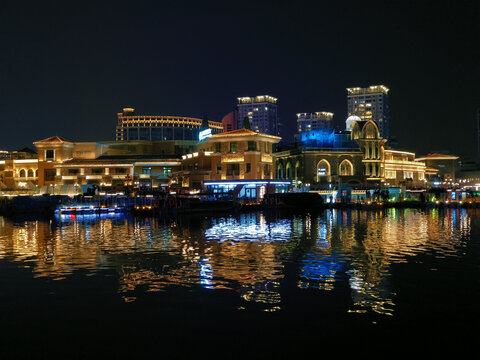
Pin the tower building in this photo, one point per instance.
(314, 121)
(262, 112)
(371, 103)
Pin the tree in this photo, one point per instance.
(246, 123)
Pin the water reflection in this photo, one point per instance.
(250, 254)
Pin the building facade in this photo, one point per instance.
(240, 159)
(314, 121)
(262, 112)
(402, 169)
(446, 165)
(230, 121)
(356, 157)
(108, 164)
(19, 171)
(371, 104)
(159, 128)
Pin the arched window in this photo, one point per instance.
(288, 171)
(346, 168)
(370, 131)
(323, 168)
(297, 169)
(22, 173)
(280, 171)
(30, 173)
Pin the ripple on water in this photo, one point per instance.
(249, 254)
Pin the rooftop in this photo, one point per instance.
(369, 90)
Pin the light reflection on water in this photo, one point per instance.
(250, 254)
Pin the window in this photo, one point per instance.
(121, 171)
(233, 147)
(266, 170)
(233, 169)
(22, 173)
(49, 155)
(49, 175)
(167, 170)
(252, 146)
(195, 166)
(218, 147)
(72, 171)
(346, 168)
(219, 169)
(248, 168)
(408, 175)
(390, 174)
(147, 170)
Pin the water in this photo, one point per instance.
(249, 285)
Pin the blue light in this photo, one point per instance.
(318, 138)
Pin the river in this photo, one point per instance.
(248, 285)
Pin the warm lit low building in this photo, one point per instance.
(240, 159)
(402, 169)
(445, 164)
(19, 171)
(107, 164)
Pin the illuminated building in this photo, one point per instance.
(262, 112)
(230, 121)
(159, 128)
(19, 171)
(445, 164)
(402, 169)
(107, 164)
(224, 161)
(314, 121)
(371, 104)
(353, 157)
(326, 156)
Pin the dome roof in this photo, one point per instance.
(350, 120)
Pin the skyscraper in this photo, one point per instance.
(262, 112)
(314, 121)
(371, 104)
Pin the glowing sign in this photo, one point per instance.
(202, 135)
(322, 171)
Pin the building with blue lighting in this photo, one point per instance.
(356, 156)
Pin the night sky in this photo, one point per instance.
(67, 67)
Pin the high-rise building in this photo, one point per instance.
(262, 112)
(314, 121)
(371, 103)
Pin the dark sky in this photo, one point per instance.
(67, 67)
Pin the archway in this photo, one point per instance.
(345, 168)
(323, 169)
